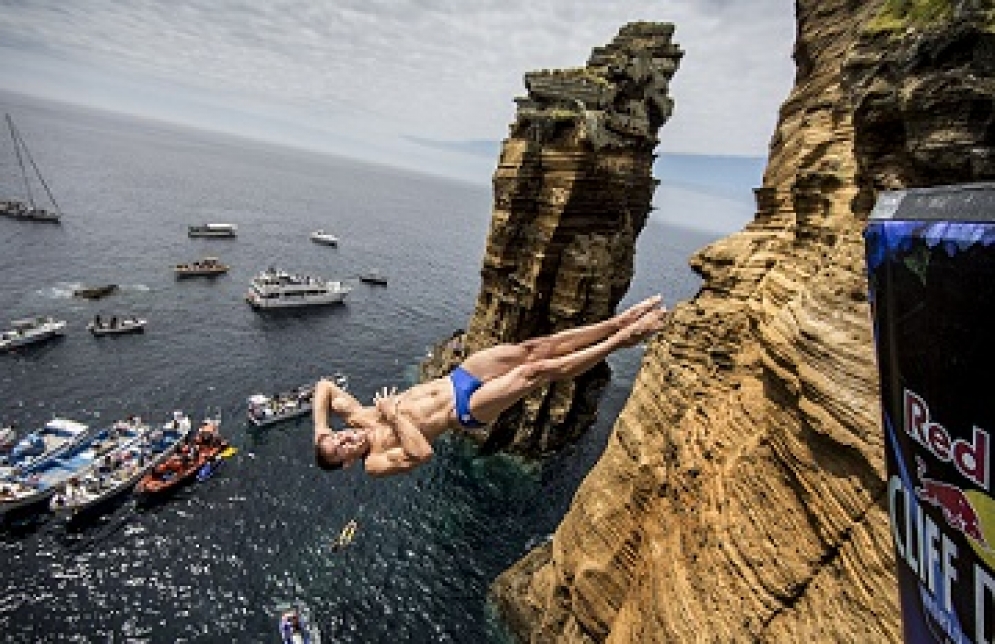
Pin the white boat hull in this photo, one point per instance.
(10, 340)
(278, 289)
(289, 302)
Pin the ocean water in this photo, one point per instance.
(212, 563)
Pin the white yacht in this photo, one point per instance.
(213, 230)
(275, 289)
(29, 331)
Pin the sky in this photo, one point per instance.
(427, 85)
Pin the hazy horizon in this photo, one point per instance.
(427, 86)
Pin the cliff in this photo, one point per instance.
(741, 495)
(572, 191)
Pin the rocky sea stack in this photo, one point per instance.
(572, 191)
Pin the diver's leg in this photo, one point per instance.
(496, 361)
(497, 395)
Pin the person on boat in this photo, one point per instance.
(290, 623)
(394, 435)
(97, 322)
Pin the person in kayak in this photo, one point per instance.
(395, 434)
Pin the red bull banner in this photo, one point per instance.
(931, 268)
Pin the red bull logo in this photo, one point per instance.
(951, 501)
(970, 458)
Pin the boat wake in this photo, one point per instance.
(65, 290)
(61, 290)
(135, 288)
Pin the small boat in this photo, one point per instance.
(116, 325)
(182, 466)
(31, 330)
(53, 438)
(28, 210)
(208, 469)
(95, 292)
(207, 267)
(20, 210)
(8, 438)
(346, 536)
(296, 625)
(275, 289)
(321, 237)
(212, 230)
(373, 277)
(39, 481)
(119, 470)
(268, 410)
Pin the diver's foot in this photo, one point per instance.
(650, 323)
(633, 313)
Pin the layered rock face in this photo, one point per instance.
(741, 496)
(572, 192)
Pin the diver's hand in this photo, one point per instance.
(382, 400)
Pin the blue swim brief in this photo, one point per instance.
(464, 384)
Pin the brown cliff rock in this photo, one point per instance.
(740, 497)
(572, 192)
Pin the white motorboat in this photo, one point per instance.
(212, 230)
(321, 237)
(276, 289)
(266, 410)
(116, 325)
(207, 267)
(30, 330)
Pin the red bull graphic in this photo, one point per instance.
(957, 510)
(931, 271)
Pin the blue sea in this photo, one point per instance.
(212, 563)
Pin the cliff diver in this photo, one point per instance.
(395, 434)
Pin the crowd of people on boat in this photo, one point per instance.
(13, 489)
(110, 470)
(202, 446)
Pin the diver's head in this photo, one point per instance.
(335, 450)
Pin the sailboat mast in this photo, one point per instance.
(34, 166)
(20, 159)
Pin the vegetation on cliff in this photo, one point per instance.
(899, 15)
